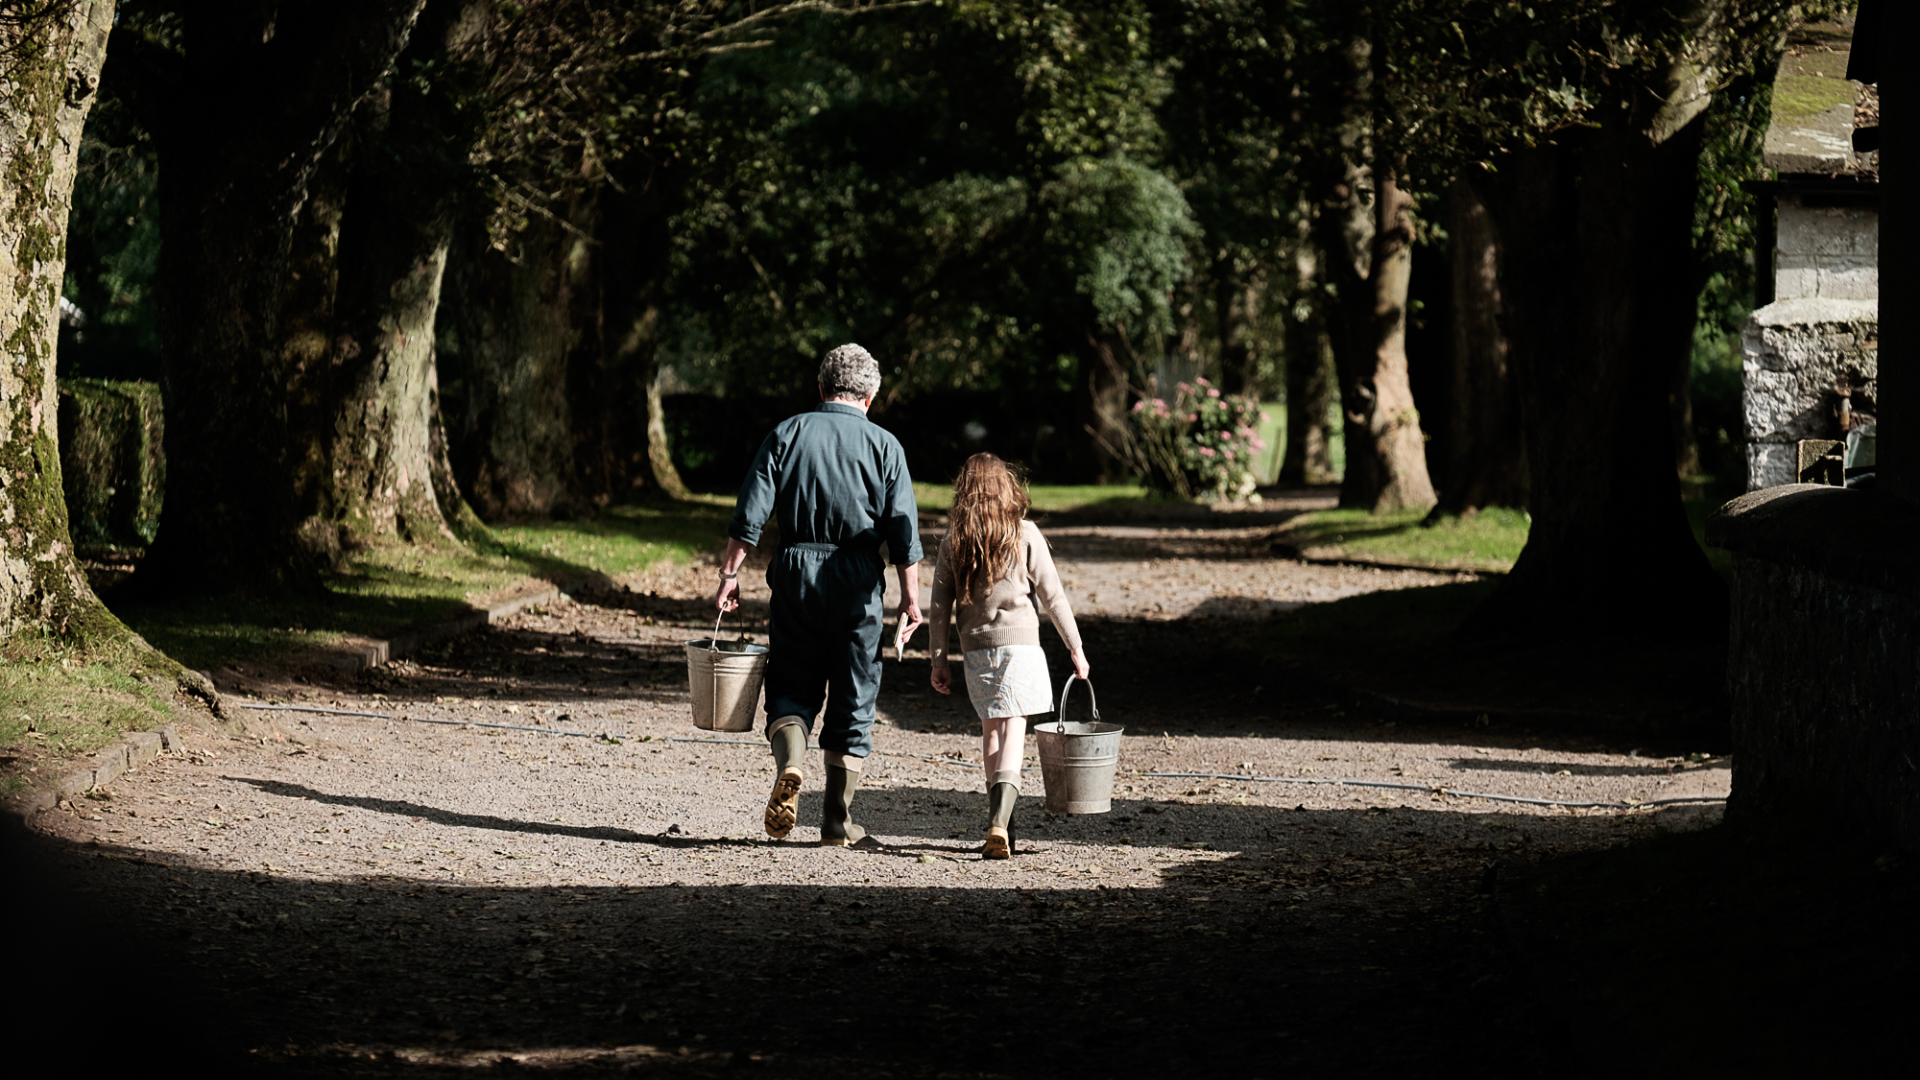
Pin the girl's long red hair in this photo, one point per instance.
(989, 501)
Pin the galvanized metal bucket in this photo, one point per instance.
(726, 678)
(1078, 758)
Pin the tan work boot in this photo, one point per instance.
(789, 742)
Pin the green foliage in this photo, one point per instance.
(112, 462)
(964, 190)
(1202, 443)
(113, 251)
(1735, 127)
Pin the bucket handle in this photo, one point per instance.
(713, 639)
(1093, 702)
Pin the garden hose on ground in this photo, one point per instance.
(936, 759)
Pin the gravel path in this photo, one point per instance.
(378, 892)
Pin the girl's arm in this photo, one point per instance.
(1053, 597)
(939, 618)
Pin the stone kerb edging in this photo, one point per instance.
(140, 747)
(376, 652)
(108, 764)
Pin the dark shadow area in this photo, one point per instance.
(1396, 655)
(1349, 943)
(1326, 941)
(1783, 949)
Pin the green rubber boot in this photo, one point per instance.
(836, 810)
(1001, 798)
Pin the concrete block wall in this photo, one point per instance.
(1794, 351)
(1831, 252)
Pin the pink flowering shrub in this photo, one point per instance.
(1201, 444)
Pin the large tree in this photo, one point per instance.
(236, 322)
(1596, 248)
(50, 57)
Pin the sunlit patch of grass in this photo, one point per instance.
(1797, 97)
(382, 590)
(58, 702)
(1047, 497)
(1489, 540)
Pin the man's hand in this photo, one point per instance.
(1080, 667)
(910, 618)
(942, 677)
(728, 596)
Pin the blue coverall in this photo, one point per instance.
(839, 486)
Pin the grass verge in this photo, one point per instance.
(1488, 541)
(59, 702)
(382, 590)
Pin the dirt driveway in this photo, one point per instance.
(384, 896)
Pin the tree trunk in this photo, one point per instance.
(1310, 382)
(1588, 223)
(1237, 303)
(1107, 360)
(1386, 454)
(367, 411)
(511, 322)
(48, 84)
(631, 414)
(283, 81)
(1487, 454)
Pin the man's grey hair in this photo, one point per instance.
(849, 371)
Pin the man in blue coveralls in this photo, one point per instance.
(838, 484)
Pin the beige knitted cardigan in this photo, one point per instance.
(1008, 615)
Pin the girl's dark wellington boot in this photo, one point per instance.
(1000, 803)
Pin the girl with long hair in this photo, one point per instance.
(992, 567)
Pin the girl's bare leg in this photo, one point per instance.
(1003, 742)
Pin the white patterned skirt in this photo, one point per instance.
(1011, 680)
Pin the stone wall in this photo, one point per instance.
(1824, 658)
(1831, 251)
(1795, 350)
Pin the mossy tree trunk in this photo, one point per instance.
(49, 71)
(234, 201)
(511, 322)
(366, 444)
